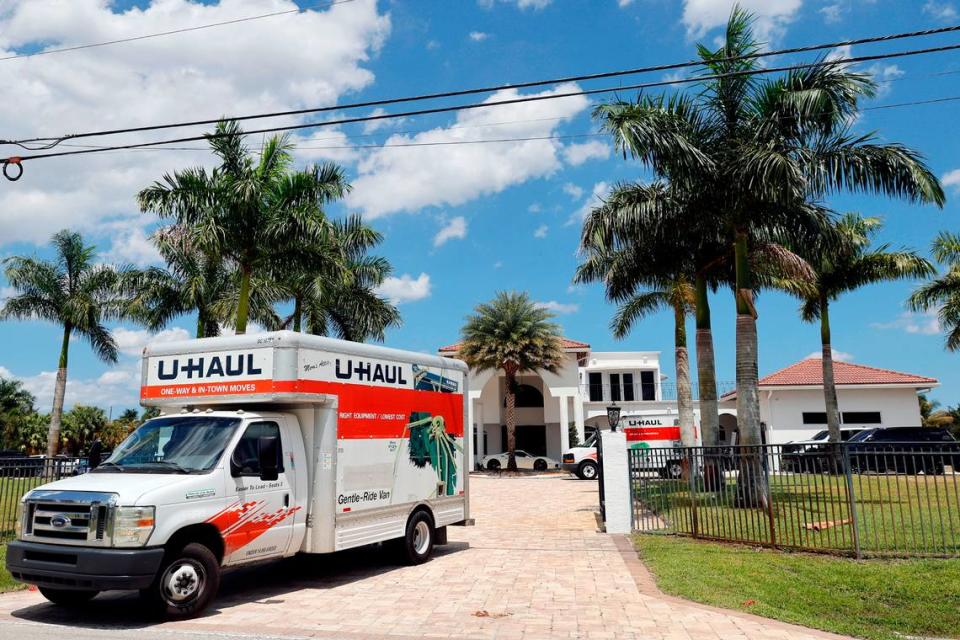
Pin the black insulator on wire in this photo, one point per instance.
(12, 177)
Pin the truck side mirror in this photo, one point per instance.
(268, 453)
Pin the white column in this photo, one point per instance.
(468, 435)
(616, 482)
(578, 415)
(564, 424)
(478, 417)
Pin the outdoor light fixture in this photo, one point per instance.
(613, 416)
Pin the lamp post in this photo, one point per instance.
(613, 419)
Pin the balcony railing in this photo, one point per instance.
(640, 392)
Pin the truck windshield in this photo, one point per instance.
(183, 444)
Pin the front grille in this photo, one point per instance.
(62, 517)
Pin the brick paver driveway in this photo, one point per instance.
(534, 566)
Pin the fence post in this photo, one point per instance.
(852, 499)
(690, 459)
(616, 482)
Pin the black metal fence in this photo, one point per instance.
(898, 499)
(21, 474)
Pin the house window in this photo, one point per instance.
(861, 417)
(628, 387)
(648, 388)
(615, 387)
(814, 417)
(596, 387)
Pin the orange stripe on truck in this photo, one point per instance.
(365, 411)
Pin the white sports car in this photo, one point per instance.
(525, 460)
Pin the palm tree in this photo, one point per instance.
(16, 404)
(511, 334)
(845, 263)
(80, 425)
(77, 294)
(250, 212)
(334, 286)
(763, 148)
(645, 268)
(942, 294)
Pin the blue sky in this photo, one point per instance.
(460, 222)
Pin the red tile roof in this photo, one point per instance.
(810, 372)
(567, 345)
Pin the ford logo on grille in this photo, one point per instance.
(60, 521)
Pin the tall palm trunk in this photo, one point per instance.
(297, 312)
(829, 384)
(201, 323)
(59, 391)
(243, 304)
(511, 381)
(706, 368)
(752, 481)
(684, 392)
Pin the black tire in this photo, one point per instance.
(673, 470)
(493, 465)
(186, 583)
(68, 597)
(419, 539)
(587, 470)
(539, 464)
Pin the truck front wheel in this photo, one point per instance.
(587, 470)
(186, 583)
(67, 597)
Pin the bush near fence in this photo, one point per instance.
(836, 505)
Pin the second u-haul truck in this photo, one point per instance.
(266, 446)
(643, 433)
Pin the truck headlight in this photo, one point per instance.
(22, 515)
(132, 526)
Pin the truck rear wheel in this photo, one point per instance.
(418, 543)
(67, 597)
(186, 583)
(587, 470)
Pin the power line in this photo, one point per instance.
(18, 159)
(92, 45)
(54, 140)
(386, 145)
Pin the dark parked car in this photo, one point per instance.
(813, 455)
(904, 450)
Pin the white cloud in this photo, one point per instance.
(597, 195)
(455, 229)
(885, 75)
(327, 145)
(478, 36)
(577, 154)
(406, 288)
(310, 58)
(7, 292)
(535, 208)
(541, 231)
(926, 323)
(497, 264)
(132, 245)
(833, 13)
(839, 356)
(523, 4)
(572, 190)
(624, 3)
(951, 179)
(411, 178)
(117, 387)
(940, 10)
(132, 341)
(772, 16)
(558, 307)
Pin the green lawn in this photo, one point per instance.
(896, 514)
(878, 599)
(7, 583)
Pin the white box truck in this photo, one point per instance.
(266, 446)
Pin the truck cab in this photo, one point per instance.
(268, 471)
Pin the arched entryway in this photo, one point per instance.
(531, 432)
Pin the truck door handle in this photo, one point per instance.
(286, 500)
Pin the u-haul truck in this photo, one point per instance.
(266, 446)
(643, 433)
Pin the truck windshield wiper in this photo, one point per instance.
(112, 465)
(171, 465)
